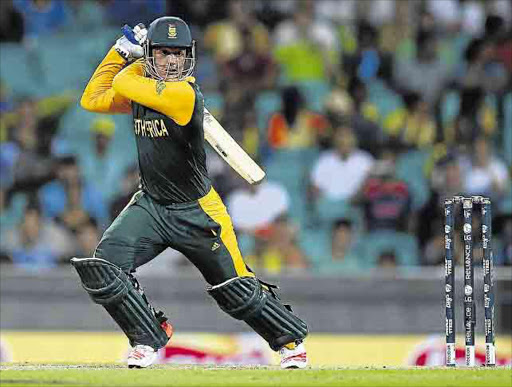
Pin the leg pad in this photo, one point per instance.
(245, 299)
(109, 286)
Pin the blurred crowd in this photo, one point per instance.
(366, 115)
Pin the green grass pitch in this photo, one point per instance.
(15, 375)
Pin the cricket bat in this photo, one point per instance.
(230, 151)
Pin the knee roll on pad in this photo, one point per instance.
(109, 286)
(245, 299)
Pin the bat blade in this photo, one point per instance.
(230, 151)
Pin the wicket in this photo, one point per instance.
(469, 301)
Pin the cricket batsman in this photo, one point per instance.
(148, 73)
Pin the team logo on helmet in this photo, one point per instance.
(172, 32)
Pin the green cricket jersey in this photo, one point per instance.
(172, 158)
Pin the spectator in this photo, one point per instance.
(446, 181)
(368, 62)
(11, 23)
(385, 197)
(198, 14)
(11, 214)
(362, 105)
(338, 174)
(37, 243)
(475, 119)
(246, 74)
(278, 250)
(413, 126)
(504, 230)
(132, 12)
(386, 202)
(352, 106)
(6, 106)
(256, 207)
(295, 126)
(12, 207)
(87, 238)
(88, 15)
(338, 12)
(306, 49)
(271, 13)
(483, 173)
(342, 253)
(27, 164)
(71, 200)
(481, 69)
(100, 162)
(33, 117)
(42, 17)
(129, 185)
(503, 49)
(225, 38)
(387, 259)
(424, 74)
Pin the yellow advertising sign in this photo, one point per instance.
(205, 348)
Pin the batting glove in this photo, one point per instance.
(129, 46)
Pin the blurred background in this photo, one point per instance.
(365, 116)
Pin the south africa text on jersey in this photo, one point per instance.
(150, 128)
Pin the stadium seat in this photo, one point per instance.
(314, 241)
(266, 103)
(450, 105)
(507, 128)
(410, 168)
(386, 100)
(291, 168)
(54, 69)
(206, 72)
(74, 132)
(12, 215)
(16, 60)
(214, 102)
(314, 93)
(404, 246)
(327, 211)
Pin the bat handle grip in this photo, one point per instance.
(128, 33)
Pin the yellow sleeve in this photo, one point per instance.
(174, 99)
(99, 96)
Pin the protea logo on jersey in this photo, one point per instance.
(172, 32)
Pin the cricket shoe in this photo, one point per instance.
(142, 356)
(293, 357)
